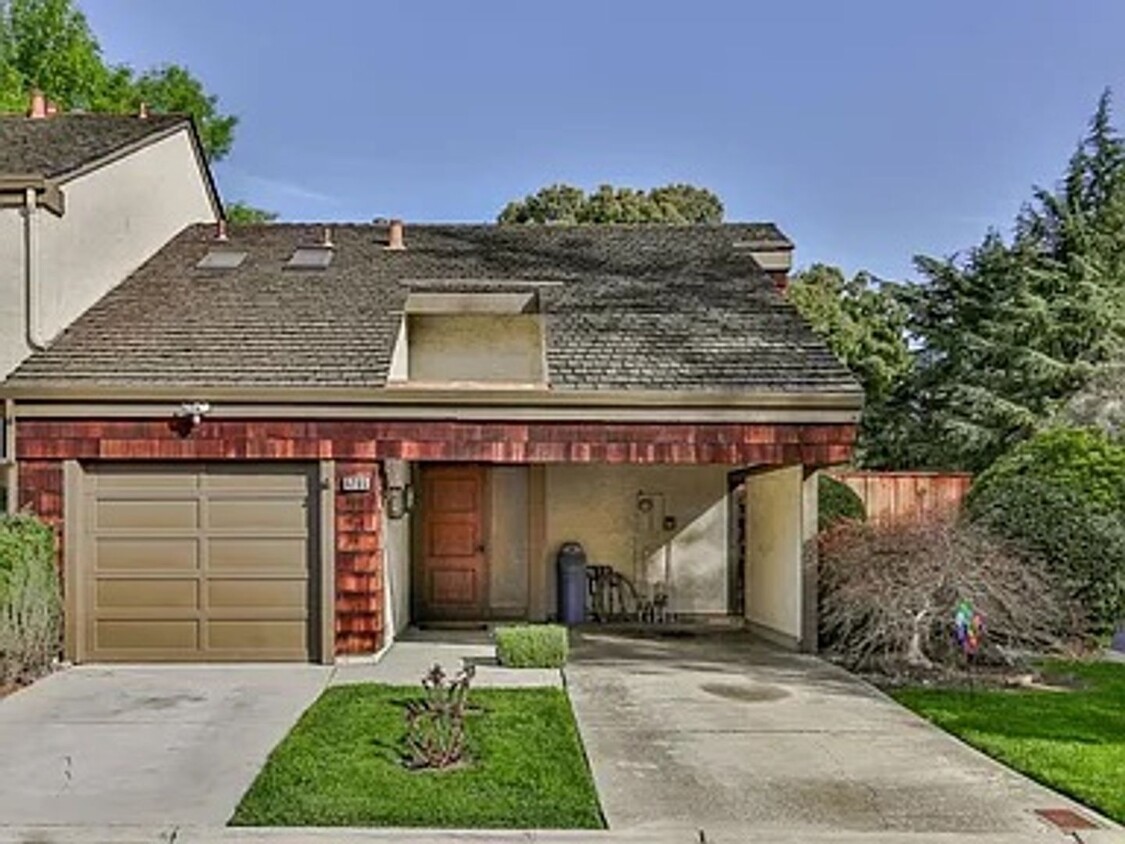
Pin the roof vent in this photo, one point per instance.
(142, 111)
(395, 236)
(221, 259)
(221, 230)
(316, 257)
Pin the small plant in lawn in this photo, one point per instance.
(435, 725)
(532, 646)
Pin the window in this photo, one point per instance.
(221, 259)
(310, 258)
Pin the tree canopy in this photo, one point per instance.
(48, 45)
(559, 203)
(241, 212)
(992, 345)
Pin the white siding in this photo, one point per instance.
(117, 216)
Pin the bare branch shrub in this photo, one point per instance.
(888, 594)
(435, 725)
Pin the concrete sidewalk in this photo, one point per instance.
(176, 744)
(737, 737)
(416, 651)
(197, 835)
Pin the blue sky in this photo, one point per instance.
(869, 131)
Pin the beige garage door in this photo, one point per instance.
(197, 562)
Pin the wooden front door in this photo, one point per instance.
(453, 577)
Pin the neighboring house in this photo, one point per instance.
(293, 441)
(84, 200)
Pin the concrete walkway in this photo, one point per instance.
(153, 745)
(738, 738)
(416, 651)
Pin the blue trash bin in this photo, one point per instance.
(571, 566)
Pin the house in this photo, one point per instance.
(85, 199)
(290, 441)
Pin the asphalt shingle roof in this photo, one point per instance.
(56, 145)
(626, 307)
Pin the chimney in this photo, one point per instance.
(221, 230)
(395, 236)
(142, 111)
(37, 108)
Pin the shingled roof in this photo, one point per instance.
(57, 145)
(626, 307)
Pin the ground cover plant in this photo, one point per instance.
(532, 646)
(342, 765)
(30, 600)
(1072, 740)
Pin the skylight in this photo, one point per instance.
(221, 259)
(310, 258)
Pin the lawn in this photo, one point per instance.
(340, 766)
(1072, 741)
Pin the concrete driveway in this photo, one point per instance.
(737, 738)
(153, 745)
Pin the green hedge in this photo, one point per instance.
(30, 600)
(837, 501)
(1061, 496)
(532, 646)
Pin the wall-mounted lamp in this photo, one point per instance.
(398, 500)
(189, 415)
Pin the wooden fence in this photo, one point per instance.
(894, 497)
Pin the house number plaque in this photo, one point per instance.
(355, 483)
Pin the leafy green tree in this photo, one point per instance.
(671, 204)
(48, 45)
(172, 89)
(242, 212)
(1007, 334)
(864, 323)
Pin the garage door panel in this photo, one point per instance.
(126, 555)
(162, 594)
(282, 635)
(280, 595)
(220, 482)
(252, 554)
(198, 563)
(137, 635)
(146, 515)
(245, 514)
(128, 478)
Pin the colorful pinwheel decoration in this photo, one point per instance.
(968, 627)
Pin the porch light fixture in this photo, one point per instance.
(398, 500)
(189, 415)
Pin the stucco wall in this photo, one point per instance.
(396, 556)
(508, 558)
(475, 347)
(598, 506)
(117, 217)
(774, 531)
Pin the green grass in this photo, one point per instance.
(1071, 741)
(532, 646)
(339, 766)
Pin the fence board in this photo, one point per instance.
(896, 497)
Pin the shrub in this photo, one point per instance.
(1060, 497)
(532, 646)
(435, 725)
(30, 603)
(888, 595)
(837, 501)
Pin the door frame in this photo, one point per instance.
(322, 554)
(418, 545)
